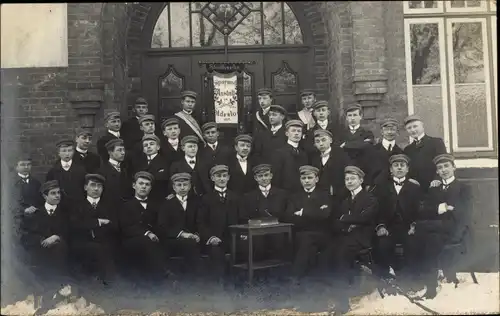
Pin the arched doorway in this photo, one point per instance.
(270, 35)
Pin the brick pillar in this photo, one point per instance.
(370, 73)
(85, 60)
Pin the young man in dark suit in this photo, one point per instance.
(287, 160)
(147, 126)
(170, 144)
(89, 160)
(240, 166)
(45, 238)
(445, 219)
(112, 123)
(130, 130)
(399, 199)
(267, 141)
(357, 141)
(261, 118)
(379, 161)
(309, 210)
(330, 162)
(191, 164)
(264, 202)
(26, 189)
(355, 221)
(152, 162)
(188, 123)
(321, 113)
(219, 210)
(94, 229)
(177, 224)
(118, 181)
(422, 151)
(138, 219)
(70, 175)
(214, 152)
(308, 98)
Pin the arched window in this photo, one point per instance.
(200, 24)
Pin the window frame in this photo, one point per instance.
(443, 69)
(452, 89)
(408, 10)
(482, 8)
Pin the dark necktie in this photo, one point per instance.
(83, 155)
(192, 162)
(398, 183)
(295, 151)
(389, 149)
(25, 180)
(445, 186)
(222, 196)
(94, 205)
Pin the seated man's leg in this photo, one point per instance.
(306, 247)
(217, 257)
(189, 249)
(147, 252)
(384, 252)
(347, 250)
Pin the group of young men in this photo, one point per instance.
(151, 193)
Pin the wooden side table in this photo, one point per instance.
(251, 231)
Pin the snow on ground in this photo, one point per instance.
(468, 298)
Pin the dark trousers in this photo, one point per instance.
(96, 255)
(145, 252)
(385, 254)
(307, 245)
(187, 248)
(217, 256)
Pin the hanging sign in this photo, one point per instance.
(225, 98)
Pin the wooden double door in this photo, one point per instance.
(166, 74)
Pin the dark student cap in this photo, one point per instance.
(146, 117)
(263, 167)
(144, 175)
(189, 93)
(218, 168)
(65, 142)
(150, 137)
(265, 91)
(305, 92)
(355, 170)
(243, 138)
(111, 144)
(443, 158)
(95, 177)
(353, 107)
(189, 139)
(278, 108)
(180, 176)
(141, 100)
(389, 121)
(82, 131)
(49, 185)
(399, 157)
(111, 116)
(412, 118)
(308, 169)
(320, 104)
(168, 122)
(208, 125)
(323, 132)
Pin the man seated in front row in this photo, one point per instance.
(399, 198)
(94, 229)
(177, 224)
(137, 220)
(355, 221)
(265, 201)
(308, 210)
(219, 210)
(444, 220)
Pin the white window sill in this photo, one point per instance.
(476, 163)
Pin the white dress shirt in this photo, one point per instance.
(323, 124)
(265, 190)
(25, 178)
(116, 134)
(419, 137)
(293, 144)
(115, 164)
(187, 112)
(221, 190)
(183, 200)
(66, 165)
(50, 208)
(143, 202)
(355, 192)
(174, 143)
(265, 110)
(243, 161)
(354, 128)
(387, 143)
(213, 146)
(81, 151)
(325, 156)
(93, 200)
(152, 157)
(188, 159)
(276, 128)
(397, 186)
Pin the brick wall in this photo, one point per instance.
(35, 114)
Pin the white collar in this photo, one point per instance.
(386, 143)
(268, 188)
(449, 181)
(189, 158)
(24, 177)
(265, 110)
(116, 134)
(67, 163)
(322, 123)
(181, 199)
(113, 162)
(221, 190)
(50, 207)
(140, 199)
(81, 150)
(356, 191)
(186, 112)
(173, 140)
(276, 128)
(420, 136)
(213, 145)
(400, 180)
(240, 157)
(326, 153)
(293, 144)
(93, 200)
(310, 190)
(137, 117)
(152, 156)
(355, 127)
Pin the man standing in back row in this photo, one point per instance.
(187, 123)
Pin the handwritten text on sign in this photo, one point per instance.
(226, 99)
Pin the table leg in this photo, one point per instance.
(290, 245)
(233, 251)
(250, 258)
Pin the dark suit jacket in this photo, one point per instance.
(84, 225)
(200, 180)
(316, 209)
(26, 194)
(286, 164)
(158, 167)
(172, 218)
(361, 212)
(257, 125)
(169, 153)
(398, 209)
(266, 143)
(308, 141)
(331, 175)
(118, 186)
(356, 147)
(131, 132)
(239, 182)
(216, 214)
(71, 181)
(210, 157)
(91, 161)
(135, 221)
(101, 146)
(40, 225)
(254, 205)
(186, 129)
(378, 169)
(454, 223)
(422, 168)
